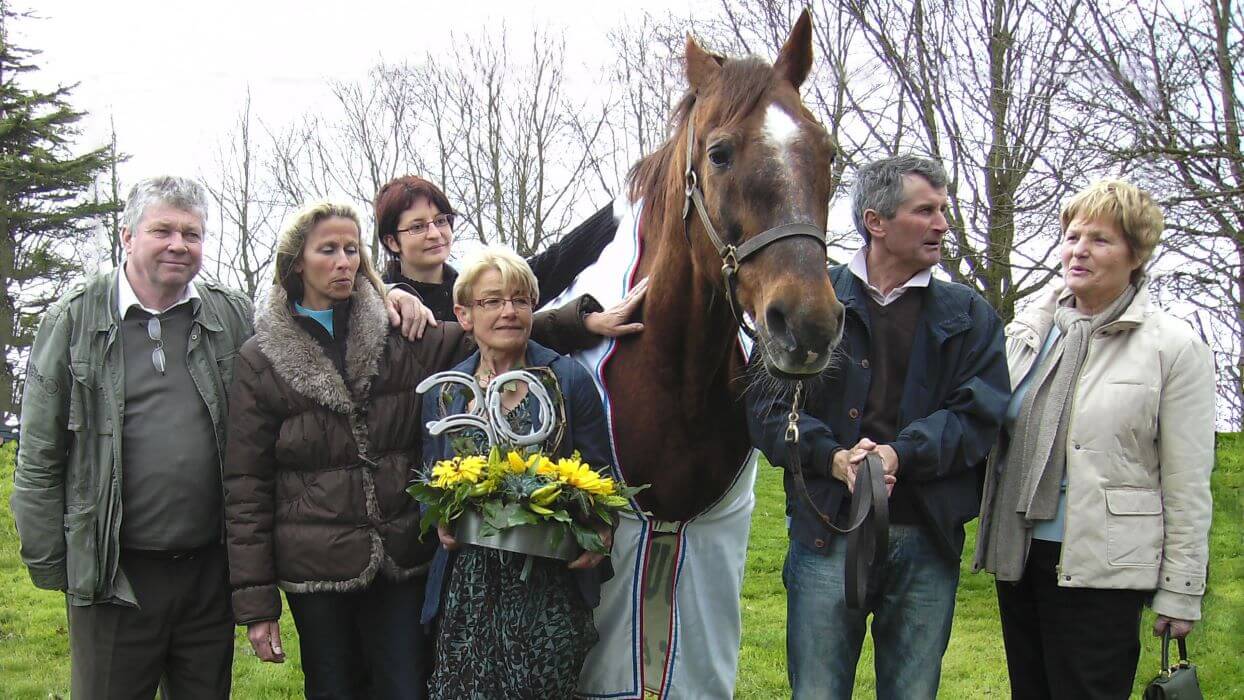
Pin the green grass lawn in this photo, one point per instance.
(34, 656)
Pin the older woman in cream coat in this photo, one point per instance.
(1097, 496)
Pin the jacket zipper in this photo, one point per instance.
(1062, 550)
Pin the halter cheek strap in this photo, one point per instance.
(732, 256)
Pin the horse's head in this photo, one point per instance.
(762, 161)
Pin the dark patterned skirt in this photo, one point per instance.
(502, 637)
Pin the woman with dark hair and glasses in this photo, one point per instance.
(415, 222)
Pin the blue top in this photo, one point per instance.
(1049, 530)
(325, 317)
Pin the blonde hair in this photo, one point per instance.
(293, 239)
(516, 274)
(1128, 207)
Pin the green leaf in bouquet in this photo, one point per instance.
(427, 522)
(614, 502)
(588, 538)
(603, 514)
(630, 491)
(561, 516)
(557, 535)
(500, 515)
(522, 516)
(452, 511)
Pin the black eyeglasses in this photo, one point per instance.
(155, 333)
(443, 222)
(494, 304)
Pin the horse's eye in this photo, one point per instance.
(720, 155)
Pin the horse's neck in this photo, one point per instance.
(687, 321)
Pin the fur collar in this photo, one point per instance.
(299, 360)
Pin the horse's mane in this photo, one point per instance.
(739, 86)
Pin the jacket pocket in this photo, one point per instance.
(224, 370)
(81, 554)
(1133, 526)
(80, 396)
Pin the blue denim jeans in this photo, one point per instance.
(912, 606)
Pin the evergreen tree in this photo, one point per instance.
(45, 207)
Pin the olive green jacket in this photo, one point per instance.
(67, 486)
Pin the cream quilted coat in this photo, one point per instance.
(1140, 448)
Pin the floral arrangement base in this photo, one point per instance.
(536, 540)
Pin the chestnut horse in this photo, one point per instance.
(746, 162)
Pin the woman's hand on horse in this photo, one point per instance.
(408, 312)
(613, 322)
(587, 560)
(265, 639)
(448, 541)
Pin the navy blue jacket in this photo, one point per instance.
(585, 431)
(956, 392)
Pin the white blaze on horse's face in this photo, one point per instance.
(781, 131)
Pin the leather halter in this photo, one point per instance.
(868, 533)
(732, 256)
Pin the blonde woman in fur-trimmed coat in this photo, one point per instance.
(324, 434)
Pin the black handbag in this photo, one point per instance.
(1177, 682)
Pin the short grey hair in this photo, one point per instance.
(879, 186)
(179, 192)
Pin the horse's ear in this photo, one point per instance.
(794, 61)
(702, 66)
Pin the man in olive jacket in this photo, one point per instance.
(117, 495)
(117, 490)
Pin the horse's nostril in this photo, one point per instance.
(779, 329)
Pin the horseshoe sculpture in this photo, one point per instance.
(488, 414)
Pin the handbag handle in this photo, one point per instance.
(1167, 668)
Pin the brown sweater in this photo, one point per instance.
(892, 330)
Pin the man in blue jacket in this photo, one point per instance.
(921, 380)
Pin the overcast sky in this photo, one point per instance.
(173, 74)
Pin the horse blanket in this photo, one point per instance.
(669, 620)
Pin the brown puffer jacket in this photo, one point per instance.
(316, 466)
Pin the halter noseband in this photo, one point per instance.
(732, 256)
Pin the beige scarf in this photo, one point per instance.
(1032, 469)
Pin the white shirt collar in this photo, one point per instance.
(859, 267)
(126, 298)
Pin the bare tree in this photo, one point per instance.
(976, 85)
(1164, 84)
(109, 193)
(647, 81)
(241, 252)
(497, 131)
(370, 139)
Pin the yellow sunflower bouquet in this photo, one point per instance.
(511, 489)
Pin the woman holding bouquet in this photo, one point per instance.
(513, 626)
(324, 437)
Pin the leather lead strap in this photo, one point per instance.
(868, 534)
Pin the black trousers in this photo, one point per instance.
(1068, 642)
(182, 632)
(364, 644)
